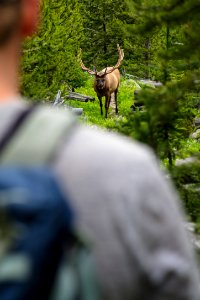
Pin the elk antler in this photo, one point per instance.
(121, 56)
(83, 67)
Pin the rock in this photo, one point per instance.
(150, 82)
(197, 122)
(184, 161)
(196, 134)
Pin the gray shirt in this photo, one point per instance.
(128, 211)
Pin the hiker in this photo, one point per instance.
(130, 215)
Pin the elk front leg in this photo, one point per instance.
(100, 103)
(107, 104)
(116, 107)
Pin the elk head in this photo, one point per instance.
(107, 70)
(100, 80)
(106, 81)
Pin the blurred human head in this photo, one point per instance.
(17, 17)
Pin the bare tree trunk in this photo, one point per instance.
(147, 58)
(105, 35)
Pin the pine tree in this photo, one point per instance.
(168, 118)
(104, 29)
(50, 58)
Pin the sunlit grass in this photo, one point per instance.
(189, 147)
(91, 110)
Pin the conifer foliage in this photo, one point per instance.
(169, 110)
(50, 58)
(103, 29)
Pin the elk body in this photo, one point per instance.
(106, 83)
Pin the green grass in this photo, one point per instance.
(91, 110)
(189, 147)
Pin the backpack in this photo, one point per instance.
(41, 254)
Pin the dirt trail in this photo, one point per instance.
(112, 103)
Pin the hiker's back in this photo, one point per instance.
(131, 215)
(42, 256)
(111, 183)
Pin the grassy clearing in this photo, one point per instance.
(91, 110)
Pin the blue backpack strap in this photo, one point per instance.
(37, 140)
(15, 126)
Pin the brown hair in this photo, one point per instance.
(9, 18)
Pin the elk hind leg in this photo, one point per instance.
(116, 106)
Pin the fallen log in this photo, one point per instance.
(79, 97)
(59, 101)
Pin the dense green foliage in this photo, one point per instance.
(49, 59)
(169, 109)
(187, 178)
(168, 118)
(160, 41)
(103, 29)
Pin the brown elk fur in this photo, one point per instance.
(106, 83)
(105, 86)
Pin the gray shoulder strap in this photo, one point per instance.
(37, 139)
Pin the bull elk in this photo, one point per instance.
(106, 82)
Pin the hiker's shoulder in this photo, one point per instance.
(43, 114)
(102, 148)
